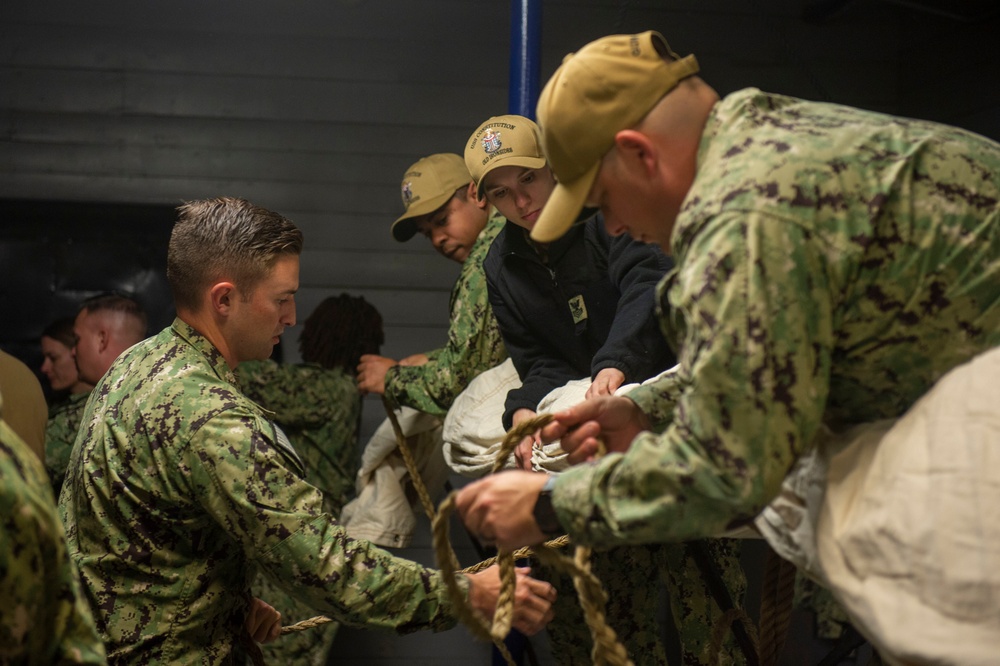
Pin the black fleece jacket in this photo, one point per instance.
(584, 303)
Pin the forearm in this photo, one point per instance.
(358, 583)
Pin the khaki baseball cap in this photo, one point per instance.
(427, 185)
(607, 86)
(503, 141)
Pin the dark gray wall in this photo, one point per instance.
(315, 107)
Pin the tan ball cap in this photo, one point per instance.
(503, 141)
(426, 186)
(605, 87)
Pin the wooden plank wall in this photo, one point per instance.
(315, 107)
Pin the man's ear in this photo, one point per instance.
(636, 149)
(471, 193)
(222, 296)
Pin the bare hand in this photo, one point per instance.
(263, 622)
(522, 454)
(532, 598)
(414, 359)
(615, 420)
(606, 382)
(371, 373)
(499, 508)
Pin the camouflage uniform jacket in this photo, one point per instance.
(832, 264)
(319, 411)
(44, 615)
(60, 433)
(474, 341)
(180, 489)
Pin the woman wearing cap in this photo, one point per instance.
(577, 307)
(582, 306)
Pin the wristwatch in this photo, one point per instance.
(544, 513)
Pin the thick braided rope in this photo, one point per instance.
(428, 505)
(593, 599)
(504, 616)
(409, 461)
(607, 648)
(418, 485)
(305, 624)
(776, 595)
(448, 564)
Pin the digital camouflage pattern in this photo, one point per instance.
(60, 433)
(181, 490)
(829, 617)
(44, 615)
(474, 342)
(319, 411)
(629, 575)
(832, 264)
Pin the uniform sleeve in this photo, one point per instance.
(753, 298)
(474, 344)
(277, 519)
(635, 344)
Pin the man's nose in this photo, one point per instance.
(438, 237)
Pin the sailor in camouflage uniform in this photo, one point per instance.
(181, 488)
(613, 339)
(44, 618)
(105, 326)
(832, 265)
(317, 405)
(441, 203)
(60, 433)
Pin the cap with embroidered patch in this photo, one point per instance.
(607, 86)
(427, 185)
(503, 141)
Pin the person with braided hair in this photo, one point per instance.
(317, 405)
(317, 402)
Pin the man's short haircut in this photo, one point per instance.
(225, 239)
(117, 302)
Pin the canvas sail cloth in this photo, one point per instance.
(473, 427)
(901, 520)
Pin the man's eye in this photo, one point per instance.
(499, 194)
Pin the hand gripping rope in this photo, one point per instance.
(775, 596)
(607, 648)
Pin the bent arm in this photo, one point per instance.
(755, 359)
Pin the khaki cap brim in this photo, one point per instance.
(405, 227)
(515, 161)
(563, 206)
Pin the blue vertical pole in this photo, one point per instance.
(525, 39)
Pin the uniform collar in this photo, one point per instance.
(207, 349)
